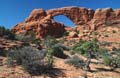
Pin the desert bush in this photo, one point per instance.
(111, 59)
(83, 47)
(65, 33)
(6, 33)
(115, 52)
(49, 41)
(115, 63)
(56, 48)
(112, 62)
(102, 52)
(89, 49)
(113, 31)
(24, 38)
(77, 48)
(50, 57)
(76, 62)
(21, 37)
(31, 59)
(107, 60)
(57, 51)
(28, 36)
(62, 46)
(3, 52)
(106, 35)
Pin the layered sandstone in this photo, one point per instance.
(42, 22)
(6, 44)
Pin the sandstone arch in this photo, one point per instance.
(42, 22)
(76, 14)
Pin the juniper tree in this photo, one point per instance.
(88, 49)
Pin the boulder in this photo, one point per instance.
(73, 34)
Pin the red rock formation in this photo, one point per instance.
(43, 24)
(36, 15)
(104, 16)
(76, 14)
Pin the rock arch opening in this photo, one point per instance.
(65, 20)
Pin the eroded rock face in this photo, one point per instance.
(36, 15)
(104, 16)
(43, 24)
(76, 14)
(6, 44)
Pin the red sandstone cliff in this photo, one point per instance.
(43, 24)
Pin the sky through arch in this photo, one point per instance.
(63, 19)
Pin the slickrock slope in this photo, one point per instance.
(6, 44)
(43, 23)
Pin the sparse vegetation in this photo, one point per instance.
(65, 33)
(90, 49)
(52, 44)
(43, 47)
(26, 37)
(113, 31)
(112, 62)
(31, 59)
(76, 62)
(106, 35)
(58, 51)
(6, 33)
(3, 53)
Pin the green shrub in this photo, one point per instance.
(3, 52)
(112, 62)
(65, 33)
(76, 62)
(49, 41)
(112, 59)
(31, 59)
(53, 46)
(91, 49)
(116, 51)
(106, 35)
(83, 47)
(113, 31)
(6, 33)
(102, 52)
(107, 60)
(50, 57)
(28, 36)
(57, 51)
(62, 46)
(117, 62)
(77, 48)
(20, 37)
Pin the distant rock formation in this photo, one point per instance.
(43, 24)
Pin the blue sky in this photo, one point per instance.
(15, 11)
